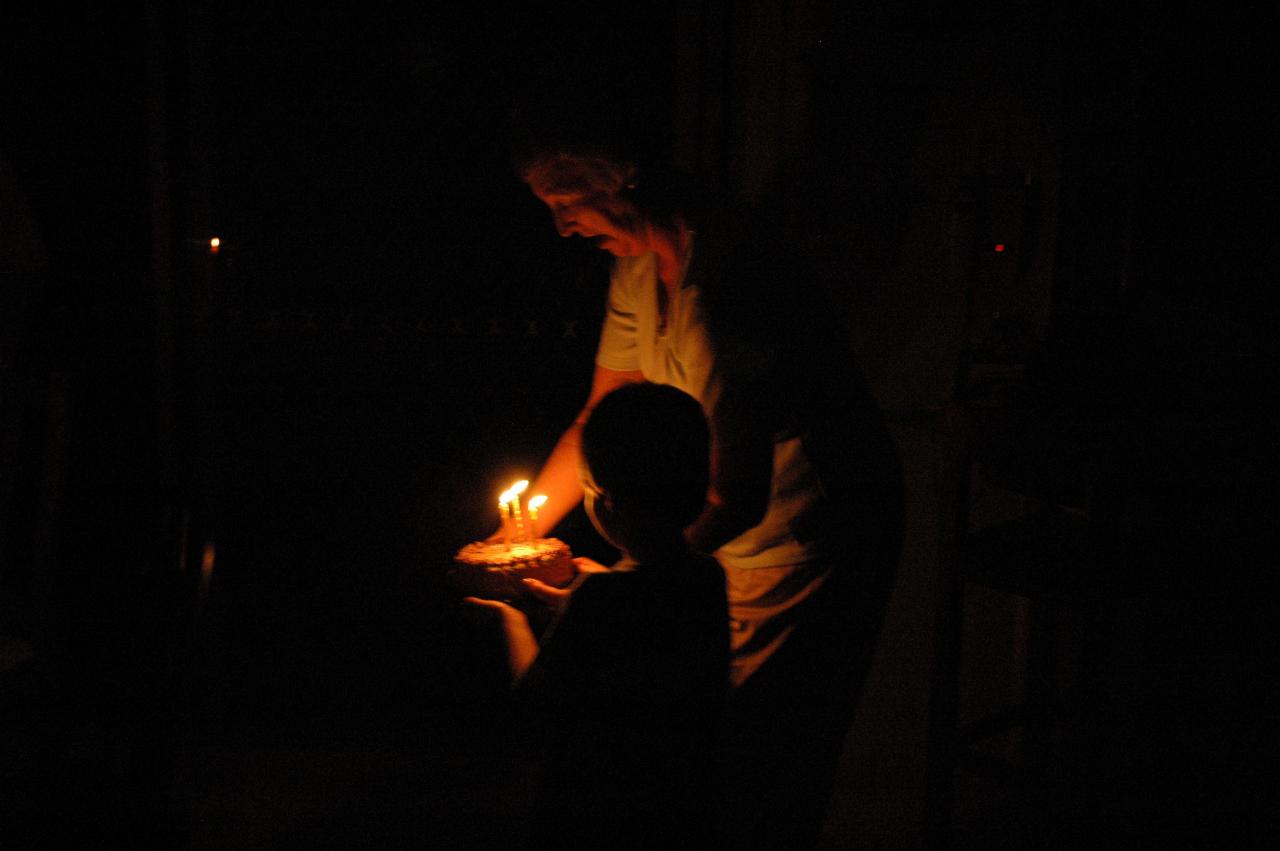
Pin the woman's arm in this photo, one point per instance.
(560, 478)
(741, 476)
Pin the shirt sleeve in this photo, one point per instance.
(619, 348)
(699, 365)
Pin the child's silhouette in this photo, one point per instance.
(634, 667)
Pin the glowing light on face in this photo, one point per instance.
(585, 196)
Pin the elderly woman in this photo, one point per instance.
(803, 512)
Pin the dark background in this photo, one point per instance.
(391, 332)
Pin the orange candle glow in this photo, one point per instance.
(534, 504)
(515, 491)
(504, 507)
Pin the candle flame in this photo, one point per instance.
(519, 487)
(537, 502)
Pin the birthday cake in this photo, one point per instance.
(494, 569)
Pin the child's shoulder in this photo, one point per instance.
(611, 599)
(684, 574)
(607, 584)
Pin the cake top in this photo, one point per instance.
(497, 553)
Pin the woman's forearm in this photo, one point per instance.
(718, 525)
(741, 475)
(559, 479)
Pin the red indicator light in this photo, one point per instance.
(999, 246)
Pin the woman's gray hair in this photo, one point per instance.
(578, 174)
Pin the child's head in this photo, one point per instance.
(645, 451)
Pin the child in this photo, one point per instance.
(634, 667)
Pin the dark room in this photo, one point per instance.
(901, 367)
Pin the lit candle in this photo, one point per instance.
(515, 491)
(534, 504)
(505, 508)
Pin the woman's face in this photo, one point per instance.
(606, 218)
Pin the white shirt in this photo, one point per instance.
(680, 353)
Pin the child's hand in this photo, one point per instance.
(496, 607)
(522, 647)
(586, 565)
(549, 594)
(553, 596)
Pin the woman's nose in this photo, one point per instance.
(561, 222)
